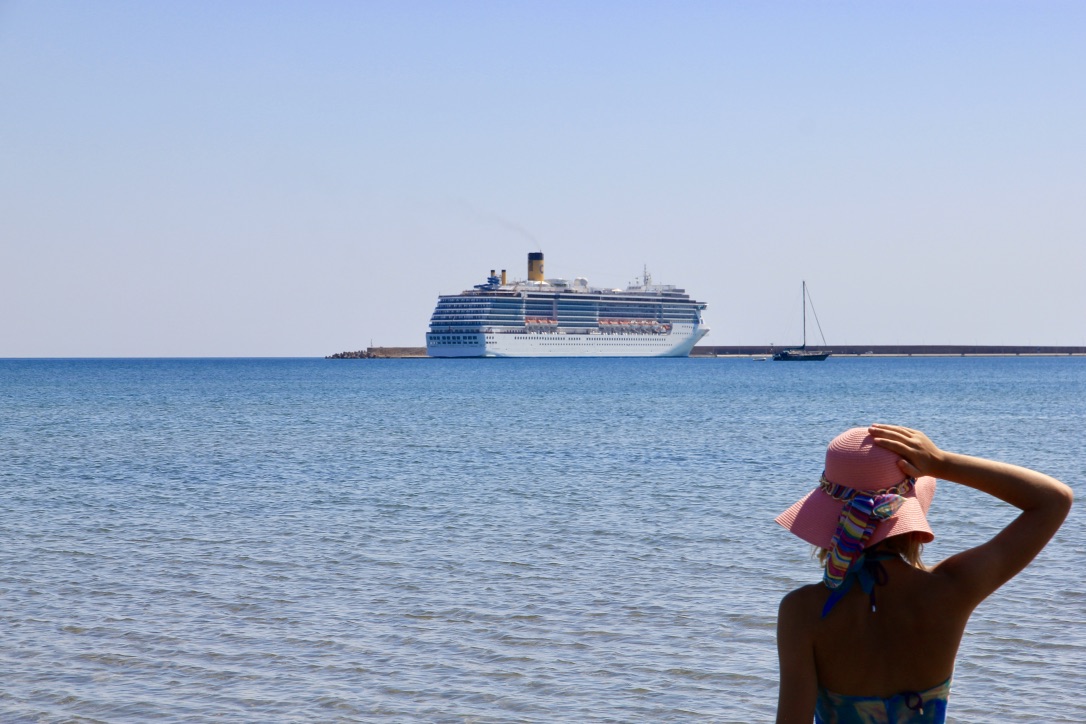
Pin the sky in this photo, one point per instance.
(243, 179)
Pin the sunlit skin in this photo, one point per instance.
(910, 643)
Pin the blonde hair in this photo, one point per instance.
(907, 545)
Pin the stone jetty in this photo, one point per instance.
(904, 350)
(381, 353)
(897, 350)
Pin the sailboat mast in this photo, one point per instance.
(804, 302)
(803, 354)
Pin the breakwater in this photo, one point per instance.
(895, 350)
(853, 350)
(381, 353)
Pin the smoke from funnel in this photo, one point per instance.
(504, 223)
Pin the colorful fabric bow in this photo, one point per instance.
(860, 515)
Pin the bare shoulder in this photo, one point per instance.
(795, 650)
(797, 616)
(803, 602)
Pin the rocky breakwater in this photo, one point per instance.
(381, 353)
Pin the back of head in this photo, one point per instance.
(855, 461)
(856, 466)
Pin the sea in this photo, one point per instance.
(483, 540)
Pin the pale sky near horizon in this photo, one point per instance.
(303, 178)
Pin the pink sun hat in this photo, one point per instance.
(854, 461)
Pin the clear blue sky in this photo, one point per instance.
(300, 178)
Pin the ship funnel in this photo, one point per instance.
(491, 272)
(503, 277)
(535, 266)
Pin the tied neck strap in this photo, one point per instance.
(868, 571)
(861, 513)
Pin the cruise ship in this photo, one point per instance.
(559, 318)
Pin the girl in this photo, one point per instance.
(876, 640)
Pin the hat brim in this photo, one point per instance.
(814, 517)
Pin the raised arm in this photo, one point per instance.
(1044, 502)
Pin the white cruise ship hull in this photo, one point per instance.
(677, 343)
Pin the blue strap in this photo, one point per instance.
(868, 570)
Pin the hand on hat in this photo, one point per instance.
(919, 455)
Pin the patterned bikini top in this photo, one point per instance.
(926, 707)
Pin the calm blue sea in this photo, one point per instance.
(482, 540)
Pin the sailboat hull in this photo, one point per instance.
(799, 355)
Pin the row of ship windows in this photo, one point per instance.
(494, 319)
(567, 315)
(593, 342)
(560, 315)
(454, 339)
(579, 299)
(468, 328)
(602, 310)
(437, 328)
(475, 339)
(566, 305)
(618, 308)
(549, 311)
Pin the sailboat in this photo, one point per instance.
(803, 354)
